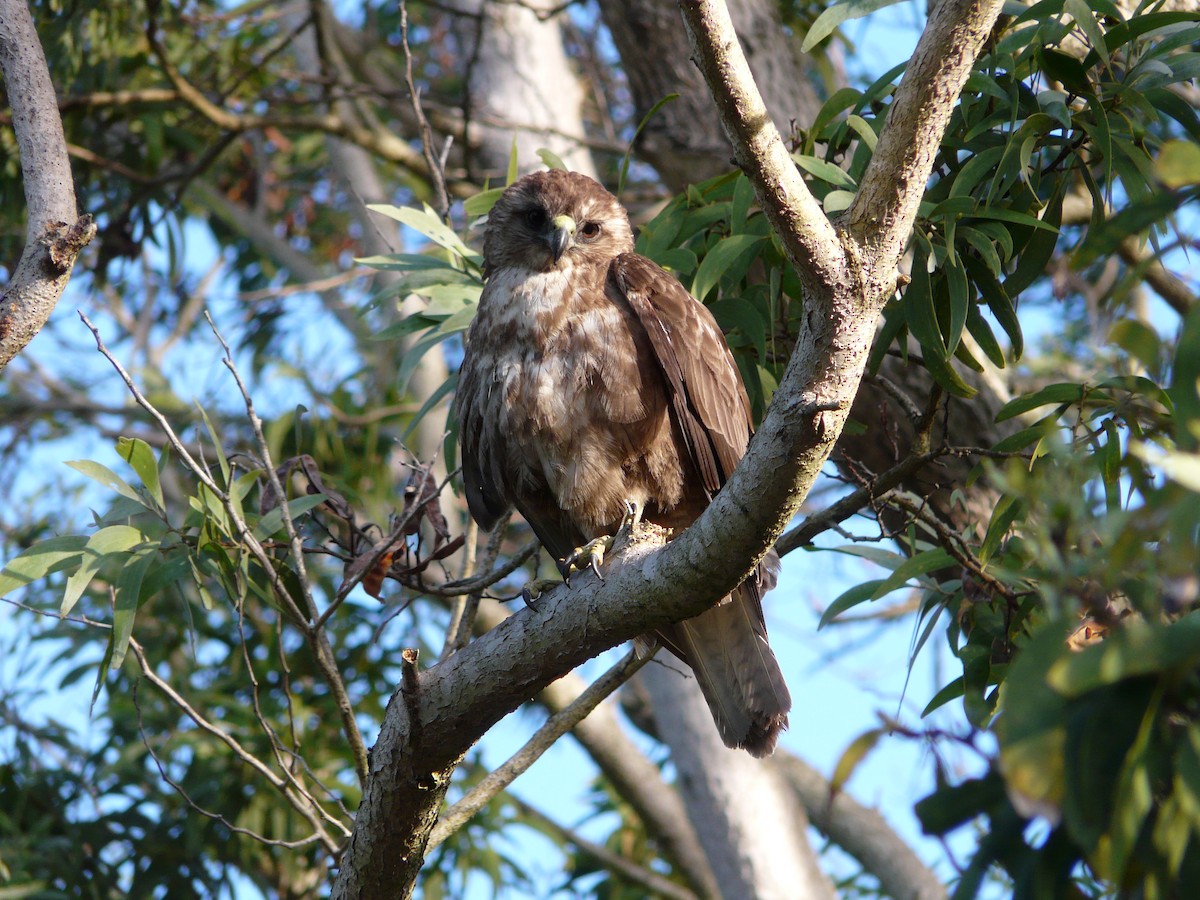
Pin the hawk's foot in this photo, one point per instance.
(533, 590)
(591, 555)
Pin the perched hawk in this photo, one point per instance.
(592, 380)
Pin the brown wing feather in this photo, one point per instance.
(708, 398)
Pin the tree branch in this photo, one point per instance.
(861, 832)
(54, 236)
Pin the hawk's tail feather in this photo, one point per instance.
(738, 674)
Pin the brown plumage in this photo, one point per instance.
(592, 378)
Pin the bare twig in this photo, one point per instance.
(317, 637)
(207, 813)
(554, 728)
(435, 162)
(624, 868)
(306, 806)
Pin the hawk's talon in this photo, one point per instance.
(589, 556)
(533, 590)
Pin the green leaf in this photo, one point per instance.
(1065, 392)
(950, 807)
(43, 558)
(834, 16)
(1178, 164)
(1185, 382)
(127, 595)
(1008, 510)
(272, 522)
(1079, 11)
(444, 389)
(836, 201)
(960, 304)
(425, 221)
(826, 171)
(107, 477)
(952, 691)
(480, 204)
(104, 544)
(841, 100)
(919, 311)
(719, 259)
(743, 199)
(864, 130)
(979, 328)
(920, 564)
(1031, 725)
(138, 454)
(551, 159)
(852, 756)
(945, 375)
(222, 459)
(860, 593)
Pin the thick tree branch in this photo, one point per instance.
(885, 206)
(54, 236)
(794, 214)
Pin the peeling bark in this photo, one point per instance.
(54, 236)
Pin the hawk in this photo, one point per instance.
(594, 384)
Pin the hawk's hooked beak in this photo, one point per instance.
(562, 236)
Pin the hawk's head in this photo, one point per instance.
(555, 219)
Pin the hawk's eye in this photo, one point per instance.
(536, 217)
(590, 231)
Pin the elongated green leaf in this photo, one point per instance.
(481, 204)
(1008, 510)
(860, 593)
(551, 159)
(272, 522)
(960, 304)
(834, 16)
(864, 130)
(446, 388)
(1064, 392)
(127, 594)
(920, 564)
(101, 546)
(43, 558)
(852, 756)
(979, 329)
(138, 454)
(426, 222)
(107, 477)
(826, 171)
(718, 260)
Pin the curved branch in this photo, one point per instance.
(885, 206)
(54, 236)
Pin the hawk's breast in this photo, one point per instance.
(574, 406)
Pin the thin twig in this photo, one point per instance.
(313, 812)
(207, 813)
(624, 868)
(435, 162)
(317, 638)
(554, 728)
